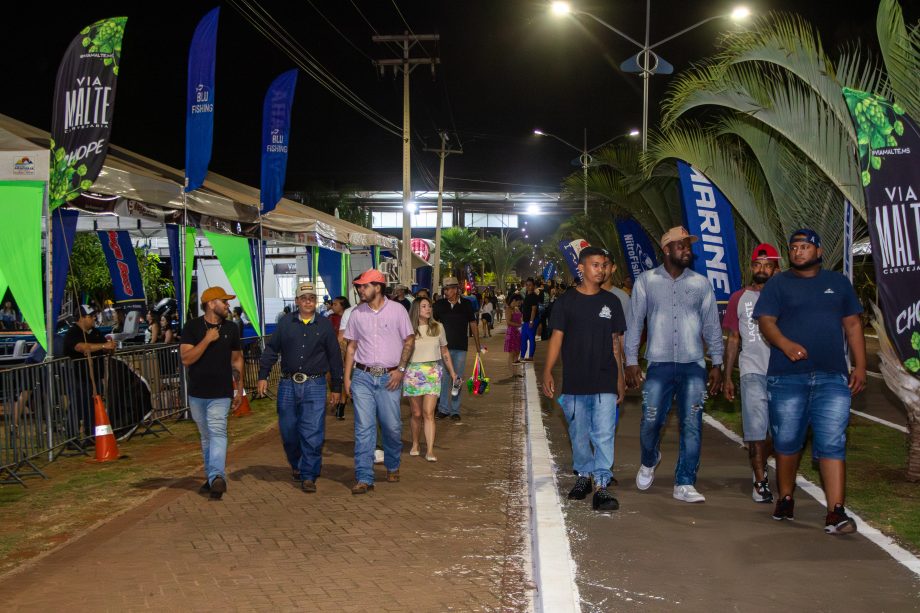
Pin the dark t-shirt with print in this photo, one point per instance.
(212, 375)
(530, 301)
(588, 324)
(809, 311)
(456, 319)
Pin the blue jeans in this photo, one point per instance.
(819, 399)
(374, 402)
(448, 404)
(664, 381)
(528, 338)
(592, 422)
(302, 422)
(210, 415)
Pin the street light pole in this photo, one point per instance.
(648, 62)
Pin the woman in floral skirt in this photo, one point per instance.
(423, 378)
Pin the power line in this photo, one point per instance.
(373, 29)
(339, 32)
(542, 188)
(408, 27)
(266, 25)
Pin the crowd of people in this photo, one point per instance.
(789, 332)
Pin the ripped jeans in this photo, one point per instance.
(664, 381)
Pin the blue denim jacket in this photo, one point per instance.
(681, 312)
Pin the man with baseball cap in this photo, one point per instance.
(744, 332)
(680, 306)
(459, 320)
(380, 342)
(84, 343)
(309, 349)
(809, 316)
(212, 353)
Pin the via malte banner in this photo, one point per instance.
(84, 103)
(889, 161)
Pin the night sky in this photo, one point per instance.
(507, 67)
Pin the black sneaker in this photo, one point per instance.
(604, 501)
(838, 522)
(581, 490)
(785, 508)
(205, 488)
(440, 415)
(218, 487)
(455, 417)
(762, 491)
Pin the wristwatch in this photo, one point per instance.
(401, 369)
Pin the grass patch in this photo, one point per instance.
(876, 465)
(80, 492)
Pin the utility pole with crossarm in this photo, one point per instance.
(407, 65)
(443, 152)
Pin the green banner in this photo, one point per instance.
(3, 285)
(233, 253)
(190, 234)
(21, 251)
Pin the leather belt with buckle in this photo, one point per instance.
(300, 377)
(377, 371)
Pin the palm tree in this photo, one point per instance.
(503, 255)
(459, 246)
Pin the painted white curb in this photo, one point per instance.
(879, 420)
(553, 567)
(901, 555)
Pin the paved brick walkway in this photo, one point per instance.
(449, 536)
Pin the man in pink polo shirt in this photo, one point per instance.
(380, 342)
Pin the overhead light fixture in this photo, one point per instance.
(634, 133)
(740, 13)
(561, 8)
(412, 207)
(533, 209)
(539, 132)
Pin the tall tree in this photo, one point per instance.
(503, 255)
(460, 246)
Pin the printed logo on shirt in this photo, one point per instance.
(828, 291)
(605, 312)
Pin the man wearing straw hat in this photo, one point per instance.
(309, 349)
(212, 352)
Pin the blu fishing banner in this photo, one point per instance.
(889, 158)
(637, 247)
(126, 276)
(276, 130)
(199, 110)
(570, 251)
(708, 215)
(549, 271)
(84, 104)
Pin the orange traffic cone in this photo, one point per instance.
(106, 447)
(244, 409)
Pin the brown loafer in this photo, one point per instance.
(361, 488)
(308, 486)
(393, 476)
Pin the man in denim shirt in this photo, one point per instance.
(681, 310)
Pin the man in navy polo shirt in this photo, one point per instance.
(806, 313)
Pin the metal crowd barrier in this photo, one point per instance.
(46, 409)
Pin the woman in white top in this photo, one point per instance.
(485, 315)
(422, 381)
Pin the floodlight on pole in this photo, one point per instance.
(634, 133)
(647, 63)
(412, 208)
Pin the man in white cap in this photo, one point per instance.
(309, 349)
(680, 306)
(212, 352)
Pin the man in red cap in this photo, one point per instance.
(744, 332)
(380, 343)
(211, 350)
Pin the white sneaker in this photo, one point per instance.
(646, 475)
(687, 493)
(378, 456)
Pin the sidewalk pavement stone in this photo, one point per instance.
(449, 536)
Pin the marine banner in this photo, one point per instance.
(889, 161)
(84, 103)
(570, 251)
(708, 215)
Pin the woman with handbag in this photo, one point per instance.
(424, 374)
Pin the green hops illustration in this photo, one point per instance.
(874, 128)
(105, 37)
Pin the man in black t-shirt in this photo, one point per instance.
(212, 352)
(82, 343)
(456, 315)
(530, 319)
(587, 322)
